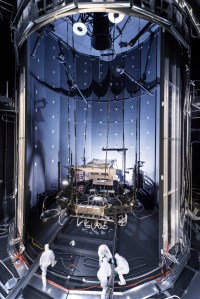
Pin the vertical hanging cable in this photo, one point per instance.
(124, 152)
(35, 173)
(123, 126)
(136, 169)
(15, 153)
(85, 136)
(75, 134)
(75, 148)
(5, 166)
(107, 135)
(69, 140)
(123, 114)
(136, 145)
(139, 99)
(156, 100)
(86, 117)
(68, 108)
(75, 124)
(139, 109)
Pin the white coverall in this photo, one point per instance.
(103, 274)
(47, 258)
(104, 252)
(122, 268)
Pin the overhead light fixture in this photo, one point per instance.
(65, 183)
(115, 17)
(79, 28)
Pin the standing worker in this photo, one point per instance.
(47, 258)
(104, 252)
(122, 268)
(103, 275)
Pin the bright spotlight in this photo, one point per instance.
(65, 183)
(115, 17)
(79, 28)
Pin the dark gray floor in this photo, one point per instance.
(137, 242)
(3, 251)
(193, 291)
(31, 293)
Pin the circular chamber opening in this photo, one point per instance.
(91, 33)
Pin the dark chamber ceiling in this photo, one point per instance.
(120, 33)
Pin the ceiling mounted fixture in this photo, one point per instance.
(101, 39)
(115, 17)
(79, 28)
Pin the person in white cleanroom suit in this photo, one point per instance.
(122, 268)
(104, 252)
(103, 275)
(47, 258)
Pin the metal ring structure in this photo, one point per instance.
(175, 16)
(172, 15)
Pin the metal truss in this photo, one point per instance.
(174, 15)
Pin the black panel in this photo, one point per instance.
(7, 133)
(31, 293)
(195, 62)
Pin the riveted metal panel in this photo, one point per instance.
(37, 62)
(52, 66)
(113, 116)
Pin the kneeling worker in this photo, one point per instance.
(122, 268)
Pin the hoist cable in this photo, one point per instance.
(107, 135)
(85, 136)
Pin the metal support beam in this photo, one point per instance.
(21, 156)
(24, 280)
(176, 17)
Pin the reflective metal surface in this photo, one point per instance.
(43, 12)
(50, 289)
(140, 292)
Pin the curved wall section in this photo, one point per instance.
(79, 105)
(64, 127)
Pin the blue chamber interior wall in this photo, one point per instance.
(62, 127)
